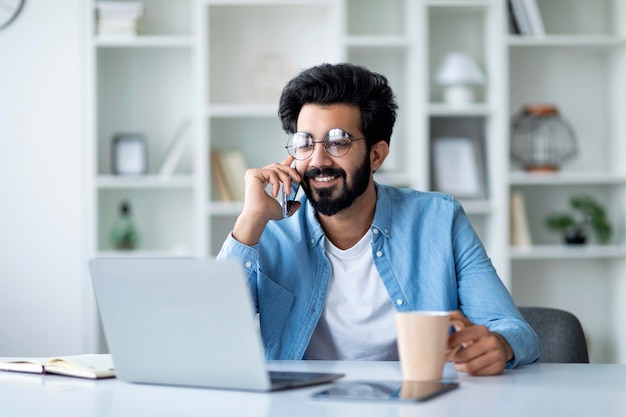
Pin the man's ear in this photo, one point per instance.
(378, 153)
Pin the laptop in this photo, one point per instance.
(190, 322)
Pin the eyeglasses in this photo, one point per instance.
(337, 143)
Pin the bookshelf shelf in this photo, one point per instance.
(519, 178)
(147, 181)
(143, 254)
(472, 109)
(561, 252)
(241, 110)
(377, 41)
(458, 3)
(566, 41)
(145, 41)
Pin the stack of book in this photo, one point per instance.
(119, 18)
(228, 167)
(526, 17)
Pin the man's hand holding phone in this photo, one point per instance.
(261, 206)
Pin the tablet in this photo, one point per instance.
(386, 390)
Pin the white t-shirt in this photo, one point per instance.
(358, 320)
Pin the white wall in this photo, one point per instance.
(43, 277)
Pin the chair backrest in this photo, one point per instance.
(561, 335)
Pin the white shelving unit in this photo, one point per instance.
(579, 66)
(224, 63)
(144, 84)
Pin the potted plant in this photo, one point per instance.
(587, 214)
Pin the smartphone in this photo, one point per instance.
(386, 390)
(288, 199)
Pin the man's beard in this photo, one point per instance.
(324, 203)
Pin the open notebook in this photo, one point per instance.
(185, 322)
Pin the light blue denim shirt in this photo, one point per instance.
(426, 252)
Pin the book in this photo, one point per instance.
(117, 26)
(534, 17)
(518, 9)
(90, 366)
(119, 17)
(175, 150)
(514, 25)
(232, 167)
(520, 233)
(219, 179)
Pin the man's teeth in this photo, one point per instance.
(324, 179)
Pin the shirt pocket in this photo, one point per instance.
(275, 304)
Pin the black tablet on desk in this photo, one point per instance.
(386, 390)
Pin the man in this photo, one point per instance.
(328, 279)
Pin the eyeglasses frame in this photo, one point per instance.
(323, 142)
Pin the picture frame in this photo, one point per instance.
(129, 154)
(457, 167)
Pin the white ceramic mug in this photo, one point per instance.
(423, 343)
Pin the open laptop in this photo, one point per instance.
(187, 322)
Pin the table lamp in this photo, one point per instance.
(457, 73)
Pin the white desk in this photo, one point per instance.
(534, 390)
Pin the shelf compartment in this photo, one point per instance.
(580, 82)
(542, 201)
(261, 139)
(255, 63)
(453, 29)
(580, 17)
(145, 91)
(472, 128)
(164, 218)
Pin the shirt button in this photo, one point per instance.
(399, 301)
(248, 264)
(312, 241)
(375, 231)
(386, 231)
(379, 254)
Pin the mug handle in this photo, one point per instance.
(458, 325)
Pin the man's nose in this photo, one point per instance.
(320, 157)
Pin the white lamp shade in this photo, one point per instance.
(459, 68)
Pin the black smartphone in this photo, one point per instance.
(288, 199)
(386, 390)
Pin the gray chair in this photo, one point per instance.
(561, 335)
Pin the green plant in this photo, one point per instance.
(588, 214)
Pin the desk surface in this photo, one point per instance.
(533, 390)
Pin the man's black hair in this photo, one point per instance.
(347, 84)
